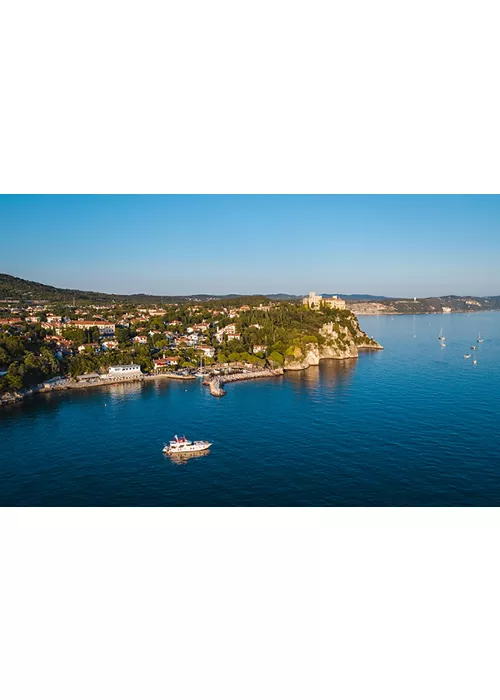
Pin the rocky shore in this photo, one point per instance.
(333, 343)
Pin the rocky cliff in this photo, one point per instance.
(335, 341)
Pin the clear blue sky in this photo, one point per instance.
(396, 245)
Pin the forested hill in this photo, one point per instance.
(18, 289)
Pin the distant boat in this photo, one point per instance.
(467, 356)
(472, 347)
(441, 336)
(479, 339)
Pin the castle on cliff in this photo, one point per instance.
(313, 301)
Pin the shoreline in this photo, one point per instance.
(426, 313)
(14, 398)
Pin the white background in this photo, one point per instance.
(240, 98)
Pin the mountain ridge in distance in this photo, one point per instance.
(17, 288)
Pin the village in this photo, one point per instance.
(53, 346)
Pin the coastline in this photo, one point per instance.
(13, 398)
(424, 313)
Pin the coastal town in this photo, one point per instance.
(47, 346)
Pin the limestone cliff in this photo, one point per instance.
(335, 341)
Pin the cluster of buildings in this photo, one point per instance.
(176, 336)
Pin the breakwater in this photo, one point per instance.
(216, 384)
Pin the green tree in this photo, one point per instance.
(15, 376)
(276, 358)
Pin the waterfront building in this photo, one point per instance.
(90, 377)
(123, 372)
(162, 364)
(314, 301)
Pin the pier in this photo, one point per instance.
(216, 384)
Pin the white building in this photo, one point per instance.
(124, 372)
(207, 350)
(105, 328)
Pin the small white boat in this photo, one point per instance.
(183, 446)
(479, 339)
(472, 347)
(467, 356)
(474, 362)
(441, 336)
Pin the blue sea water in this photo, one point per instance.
(413, 425)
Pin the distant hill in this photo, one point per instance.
(18, 289)
(428, 305)
(357, 297)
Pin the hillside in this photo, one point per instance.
(18, 289)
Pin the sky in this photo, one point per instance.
(392, 245)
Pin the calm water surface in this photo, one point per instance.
(415, 424)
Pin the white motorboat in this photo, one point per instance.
(183, 446)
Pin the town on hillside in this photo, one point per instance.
(52, 342)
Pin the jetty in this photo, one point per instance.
(216, 383)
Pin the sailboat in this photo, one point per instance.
(200, 372)
(441, 336)
(474, 361)
(479, 339)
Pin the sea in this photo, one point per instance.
(415, 424)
